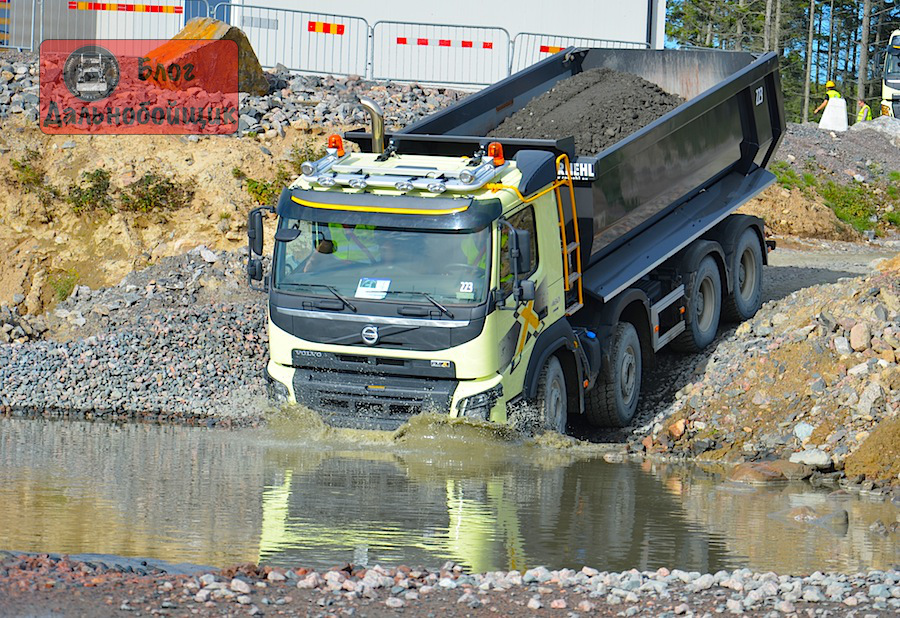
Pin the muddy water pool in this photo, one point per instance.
(297, 494)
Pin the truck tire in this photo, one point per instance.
(613, 401)
(746, 268)
(551, 399)
(704, 299)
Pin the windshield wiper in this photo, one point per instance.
(428, 296)
(346, 302)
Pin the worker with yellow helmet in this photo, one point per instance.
(830, 93)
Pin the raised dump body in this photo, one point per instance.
(720, 138)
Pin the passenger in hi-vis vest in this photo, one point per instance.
(864, 113)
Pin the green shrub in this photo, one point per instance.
(155, 192)
(267, 191)
(310, 151)
(92, 192)
(785, 175)
(853, 203)
(29, 174)
(63, 283)
(238, 173)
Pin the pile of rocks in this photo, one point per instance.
(184, 339)
(861, 155)
(808, 379)
(19, 328)
(201, 275)
(299, 101)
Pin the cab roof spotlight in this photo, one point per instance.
(358, 183)
(467, 177)
(436, 187)
(307, 168)
(404, 185)
(326, 181)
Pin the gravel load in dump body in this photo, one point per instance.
(598, 107)
(59, 585)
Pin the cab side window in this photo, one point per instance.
(522, 220)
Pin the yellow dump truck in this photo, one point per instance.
(510, 280)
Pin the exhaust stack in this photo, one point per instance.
(377, 115)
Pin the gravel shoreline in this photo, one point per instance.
(31, 584)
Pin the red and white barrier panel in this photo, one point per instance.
(130, 8)
(324, 27)
(402, 40)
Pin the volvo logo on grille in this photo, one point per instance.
(370, 335)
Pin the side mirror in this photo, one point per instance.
(255, 231)
(255, 269)
(524, 291)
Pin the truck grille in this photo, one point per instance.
(370, 401)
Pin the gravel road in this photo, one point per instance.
(59, 586)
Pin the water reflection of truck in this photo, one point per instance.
(482, 513)
(890, 84)
(470, 276)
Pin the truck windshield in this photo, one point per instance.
(892, 65)
(375, 263)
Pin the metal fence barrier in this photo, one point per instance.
(300, 40)
(439, 53)
(303, 40)
(17, 23)
(531, 47)
(152, 19)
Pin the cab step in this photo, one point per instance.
(573, 308)
(570, 248)
(573, 277)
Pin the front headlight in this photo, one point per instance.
(479, 406)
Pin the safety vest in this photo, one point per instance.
(833, 94)
(477, 256)
(864, 113)
(356, 244)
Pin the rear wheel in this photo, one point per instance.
(746, 267)
(704, 301)
(613, 400)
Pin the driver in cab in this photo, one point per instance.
(349, 243)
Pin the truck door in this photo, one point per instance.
(520, 325)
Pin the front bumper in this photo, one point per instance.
(375, 401)
(364, 401)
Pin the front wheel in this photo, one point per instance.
(613, 400)
(551, 401)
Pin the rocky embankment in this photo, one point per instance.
(45, 582)
(298, 101)
(183, 340)
(812, 378)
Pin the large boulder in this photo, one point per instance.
(189, 46)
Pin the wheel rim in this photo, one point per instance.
(705, 305)
(628, 375)
(747, 275)
(555, 403)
